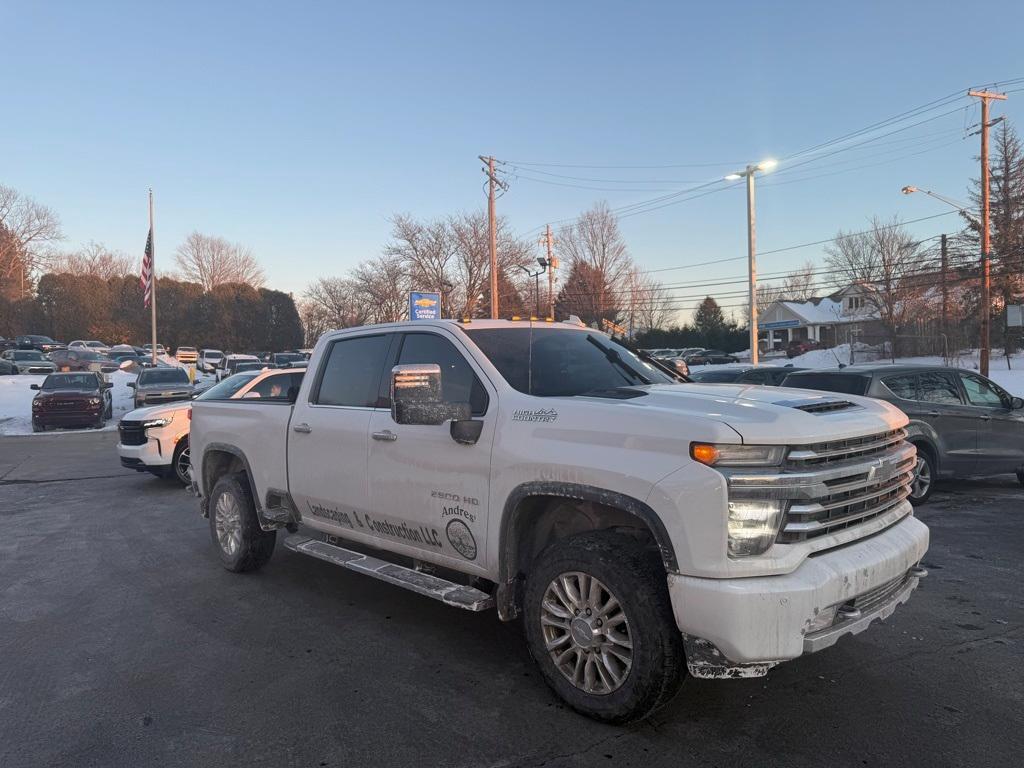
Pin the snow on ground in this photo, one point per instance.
(16, 402)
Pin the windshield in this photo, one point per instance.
(91, 356)
(213, 354)
(230, 386)
(248, 365)
(562, 363)
(26, 355)
(287, 357)
(71, 381)
(40, 339)
(845, 383)
(721, 376)
(163, 376)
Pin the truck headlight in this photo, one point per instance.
(753, 525)
(731, 455)
(155, 423)
(94, 401)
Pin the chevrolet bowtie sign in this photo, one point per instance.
(424, 306)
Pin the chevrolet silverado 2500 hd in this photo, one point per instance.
(640, 526)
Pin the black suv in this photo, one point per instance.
(961, 422)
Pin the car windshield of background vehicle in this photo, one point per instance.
(230, 386)
(94, 356)
(843, 383)
(288, 357)
(716, 377)
(163, 376)
(28, 356)
(562, 363)
(71, 381)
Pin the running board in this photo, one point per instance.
(448, 592)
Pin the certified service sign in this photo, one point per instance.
(424, 306)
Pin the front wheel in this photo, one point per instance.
(924, 477)
(181, 463)
(234, 527)
(600, 626)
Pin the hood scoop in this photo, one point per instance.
(818, 406)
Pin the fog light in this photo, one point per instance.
(753, 525)
(825, 619)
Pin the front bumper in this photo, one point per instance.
(143, 457)
(765, 620)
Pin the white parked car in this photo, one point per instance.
(210, 360)
(231, 363)
(89, 346)
(155, 439)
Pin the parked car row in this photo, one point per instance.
(155, 438)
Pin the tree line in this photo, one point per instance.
(597, 279)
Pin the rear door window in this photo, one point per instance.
(904, 387)
(352, 373)
(939, 387)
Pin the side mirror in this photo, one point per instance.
(108, 385)
(34, 386)
(416, 397)
(132, 385)
(1016, 403)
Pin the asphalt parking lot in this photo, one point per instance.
(123, 643)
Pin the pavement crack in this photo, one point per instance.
(61, 479)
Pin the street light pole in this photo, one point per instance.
(748, 174)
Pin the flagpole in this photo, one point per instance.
(152, 300)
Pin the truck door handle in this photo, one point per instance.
(933, 413)
(303, 428)
(386, 435)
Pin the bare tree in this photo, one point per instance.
(885, 264)
(594, 241)
(799, 284)
(27, 230)
(381, 287)
(648, 304)
(212, 261)
(426, 249)
(93, 259)
(334, 302)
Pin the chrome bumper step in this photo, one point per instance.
(448, 592)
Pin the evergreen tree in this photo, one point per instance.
(709, 321)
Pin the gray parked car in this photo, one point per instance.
(961, 422)
(29, 361)
(161, 385)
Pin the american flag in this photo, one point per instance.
(147, 271)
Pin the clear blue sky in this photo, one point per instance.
(299, 128)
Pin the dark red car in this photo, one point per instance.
(71, 400)
(83, 360)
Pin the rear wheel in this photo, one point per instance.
(924, 477)
(234, 527)
(600, 626)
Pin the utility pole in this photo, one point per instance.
(552, 266)
(986, 279)
(492, 182)
(945, 289)
(752, 265)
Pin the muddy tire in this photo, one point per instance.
(240, 542)
(924, 477)
(599, 624)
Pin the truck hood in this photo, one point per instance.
(772, 415)
(159, 411)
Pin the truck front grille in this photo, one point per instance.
(829, 487)
(131, 433)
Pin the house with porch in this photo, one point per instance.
(826, 319)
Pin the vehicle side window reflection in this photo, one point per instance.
(939, 388)
(904, 387)
(458, 382)
(353, 371)
(982, 392)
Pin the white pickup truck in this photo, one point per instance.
(639, 525)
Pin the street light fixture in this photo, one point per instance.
(536, 282)
(961, 207)
(748, 174)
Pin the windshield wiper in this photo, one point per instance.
(616, 359)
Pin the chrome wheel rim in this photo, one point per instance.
(586, 633)
(227, 520)
(183, 466)
(922, 478)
